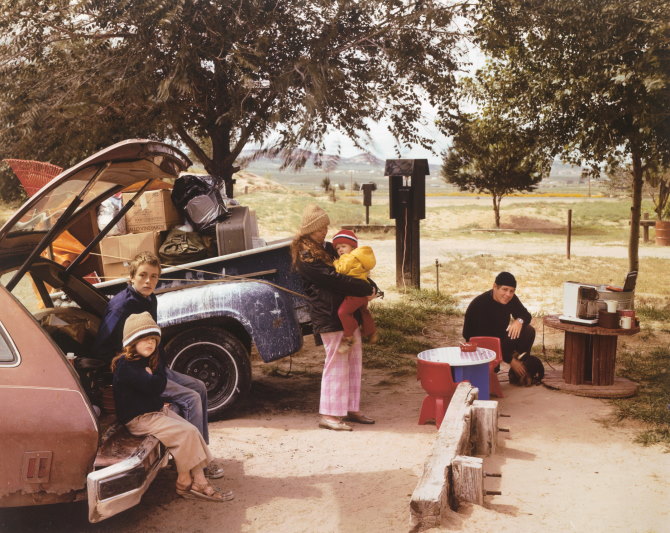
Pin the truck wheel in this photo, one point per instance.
(217, 358)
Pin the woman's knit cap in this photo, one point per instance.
(314, 218)
(138, 326)
(346, 236)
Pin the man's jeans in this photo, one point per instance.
(521, 344)
(190, 396)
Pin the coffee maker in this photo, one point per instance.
(580, 303)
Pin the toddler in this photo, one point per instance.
(357, 262)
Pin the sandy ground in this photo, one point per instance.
(562, 468)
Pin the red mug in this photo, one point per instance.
(468, 347)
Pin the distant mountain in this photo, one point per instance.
(255, 158)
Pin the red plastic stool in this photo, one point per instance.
(437, 381)
(492, 343)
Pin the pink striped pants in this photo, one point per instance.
(341, 379)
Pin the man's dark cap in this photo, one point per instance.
(507, 279)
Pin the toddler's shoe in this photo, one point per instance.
(345, 345)
(374, 338)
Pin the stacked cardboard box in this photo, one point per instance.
(154, 211)
(118, 251)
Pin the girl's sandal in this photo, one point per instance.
(208, 493)
(183, 491)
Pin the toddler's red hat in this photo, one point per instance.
(345, 236)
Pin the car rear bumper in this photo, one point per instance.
(121, 486)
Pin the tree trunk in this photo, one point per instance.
(635, 213)
(222, 163)
(496, 208)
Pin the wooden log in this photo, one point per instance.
(468, 474)
(433, 498)
(484, 436)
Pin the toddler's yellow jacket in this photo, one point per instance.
(358, 263)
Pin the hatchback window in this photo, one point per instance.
(7, 354)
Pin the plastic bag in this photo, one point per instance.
(107, 210)
(200, 200)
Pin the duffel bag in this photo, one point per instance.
(182, 247)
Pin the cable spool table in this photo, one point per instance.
(589, 360)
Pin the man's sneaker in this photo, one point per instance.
(345, 345)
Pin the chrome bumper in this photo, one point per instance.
(121, 486)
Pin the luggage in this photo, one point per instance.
(200, 200)
(237, 232)
(182, 247)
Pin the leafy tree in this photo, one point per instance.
(325, 184)
(659, 185)
(490, 156)
(217, 75)
(592, 77)
(355, 186)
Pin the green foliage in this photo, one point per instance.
(651, 403)
(11, 191)
(490, 155)
(401, 328)
(648, 311)
(218, 75)
(593, 78)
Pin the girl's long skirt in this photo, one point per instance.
(180, 436)
(341, 379)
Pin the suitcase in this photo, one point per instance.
(236, 233)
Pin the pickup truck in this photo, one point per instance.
(58, 444)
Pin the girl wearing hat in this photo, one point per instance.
(356, 261)
(138, 384)
(325, 289)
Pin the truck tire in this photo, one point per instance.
(217, 358)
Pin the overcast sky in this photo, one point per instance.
(383, 144)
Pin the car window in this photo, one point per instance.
(25, 291)
(43, 215)
(7, 352)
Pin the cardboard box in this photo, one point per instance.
(154, 211)
(118, 251)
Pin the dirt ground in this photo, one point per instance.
(562, 468)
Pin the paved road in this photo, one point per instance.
(436, 249)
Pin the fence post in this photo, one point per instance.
(569, 230)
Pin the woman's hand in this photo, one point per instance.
(148, 370)
(373, 295)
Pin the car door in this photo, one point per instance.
(49, 431)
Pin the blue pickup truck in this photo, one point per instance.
(212, 311)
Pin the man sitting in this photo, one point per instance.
(499, 313)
